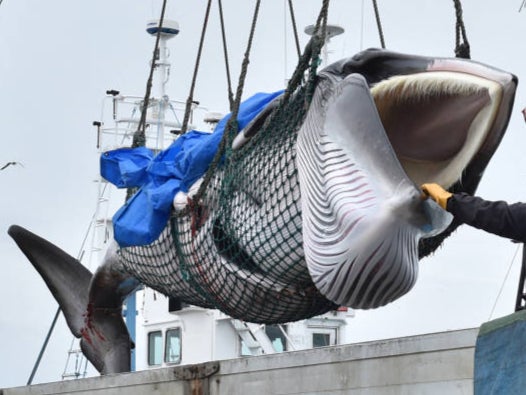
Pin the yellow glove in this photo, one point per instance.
(437, 193)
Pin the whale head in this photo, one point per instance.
(381, 124)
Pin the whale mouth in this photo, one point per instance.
(388, 124)
(437, 121)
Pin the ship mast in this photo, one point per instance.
(162, 66)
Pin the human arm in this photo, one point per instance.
(497, 217)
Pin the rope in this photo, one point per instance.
(322, 19)
(225, 51)
(311, 51)
(222, 226)
(462, 49)
(231, 126)
(379, 24)
(321, 27)
(139, 137)
(190, 99)
(295, 28)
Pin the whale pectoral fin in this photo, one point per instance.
(67, 279)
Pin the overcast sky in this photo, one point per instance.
(57, 59)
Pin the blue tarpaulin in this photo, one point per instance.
(141, 220)
(126, 167)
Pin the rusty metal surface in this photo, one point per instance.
(196, 377)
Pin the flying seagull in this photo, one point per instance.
(11, 163)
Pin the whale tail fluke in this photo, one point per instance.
(91, 303)
(67, 279)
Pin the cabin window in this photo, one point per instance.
(277, 337)
(322, 337)
(244, 351)
(155, 348)
(172, 349)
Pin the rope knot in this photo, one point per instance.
(463, 51)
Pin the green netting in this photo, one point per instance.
(238, 245)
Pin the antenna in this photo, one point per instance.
(169, 29)
(161, 66)
(330, 32)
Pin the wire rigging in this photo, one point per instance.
(504, 282)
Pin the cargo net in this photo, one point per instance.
(238, 244)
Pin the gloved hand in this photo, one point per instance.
(437, 193)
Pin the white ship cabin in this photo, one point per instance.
(171, 333)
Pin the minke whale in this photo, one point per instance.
(379, 125)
